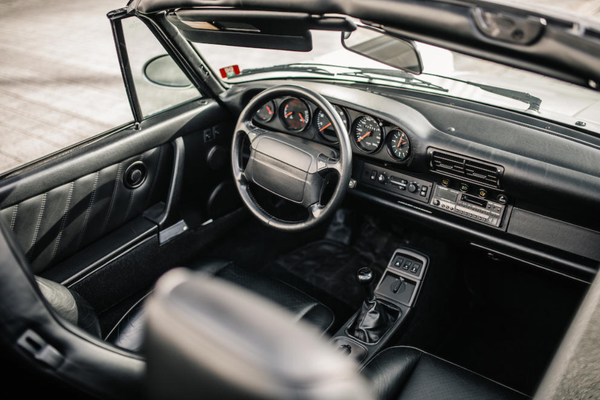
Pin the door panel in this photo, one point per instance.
(57, 223)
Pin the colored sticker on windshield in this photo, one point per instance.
(228, 72)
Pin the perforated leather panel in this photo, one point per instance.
(58, 223)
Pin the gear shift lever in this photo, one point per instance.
(373, 319)
(366, 277)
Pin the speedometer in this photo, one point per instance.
(367, 134)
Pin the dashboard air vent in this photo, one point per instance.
(467, 168)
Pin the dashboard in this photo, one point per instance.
(509, 184)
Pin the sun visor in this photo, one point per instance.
(265, 30)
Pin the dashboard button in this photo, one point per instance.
(373, 175)
(502, 199)
(413, 187)
(382, 178)
(446, 182)
(464, 187)
(415, 268)
(483, 193)
(398, 262)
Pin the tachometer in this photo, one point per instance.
(295, 114)
(266, 112)
(367, 134)
(325, 127)
(398, 144)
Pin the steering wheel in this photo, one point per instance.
(291, 167)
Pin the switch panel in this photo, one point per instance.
(397, 183)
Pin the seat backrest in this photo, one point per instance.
(575, 370)
(207, 336)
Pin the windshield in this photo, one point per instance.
(447, 72)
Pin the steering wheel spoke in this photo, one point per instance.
(253, 132)
(326, 163)
(315, 211)
(241, 178)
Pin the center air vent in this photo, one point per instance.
(467, 168)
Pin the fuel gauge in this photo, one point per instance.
(266, 112)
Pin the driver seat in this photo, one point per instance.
(128, 333)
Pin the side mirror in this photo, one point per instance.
(163, 71)
(379, 46)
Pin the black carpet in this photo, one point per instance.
(331, 264)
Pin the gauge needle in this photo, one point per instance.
(300, 115)
(288, 114)
(363, 136)
(269, 110)
(325, 127)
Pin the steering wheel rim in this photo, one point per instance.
(285, 170)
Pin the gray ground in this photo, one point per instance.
(59, 77)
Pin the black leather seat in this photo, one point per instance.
(128, 332)
(406, 373)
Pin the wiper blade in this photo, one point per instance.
(533, 102)
(313, 69)
(408, 78)
(367, 73)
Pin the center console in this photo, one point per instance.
(456, 197)
(387, 305)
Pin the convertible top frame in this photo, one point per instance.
(567, 46)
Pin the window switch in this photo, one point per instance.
(398, 261)
(407, 265)
(208, 135)
(415, 268)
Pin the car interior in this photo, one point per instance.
(423, 245)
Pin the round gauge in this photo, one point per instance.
(295, 114)
(266, 112)
(367, 134)
(325, 127)
(398, 144)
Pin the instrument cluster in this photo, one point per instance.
(369, 134)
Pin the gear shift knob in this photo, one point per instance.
(366, 277)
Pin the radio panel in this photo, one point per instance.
(467, 206)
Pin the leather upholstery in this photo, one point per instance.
(237, 345)
(372, 322)
(56, 224)
(79, 359)
(70, 305)
(303, 306)
(404, 373)
(128, 333)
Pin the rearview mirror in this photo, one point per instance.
(163, 71)
(386, 49)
